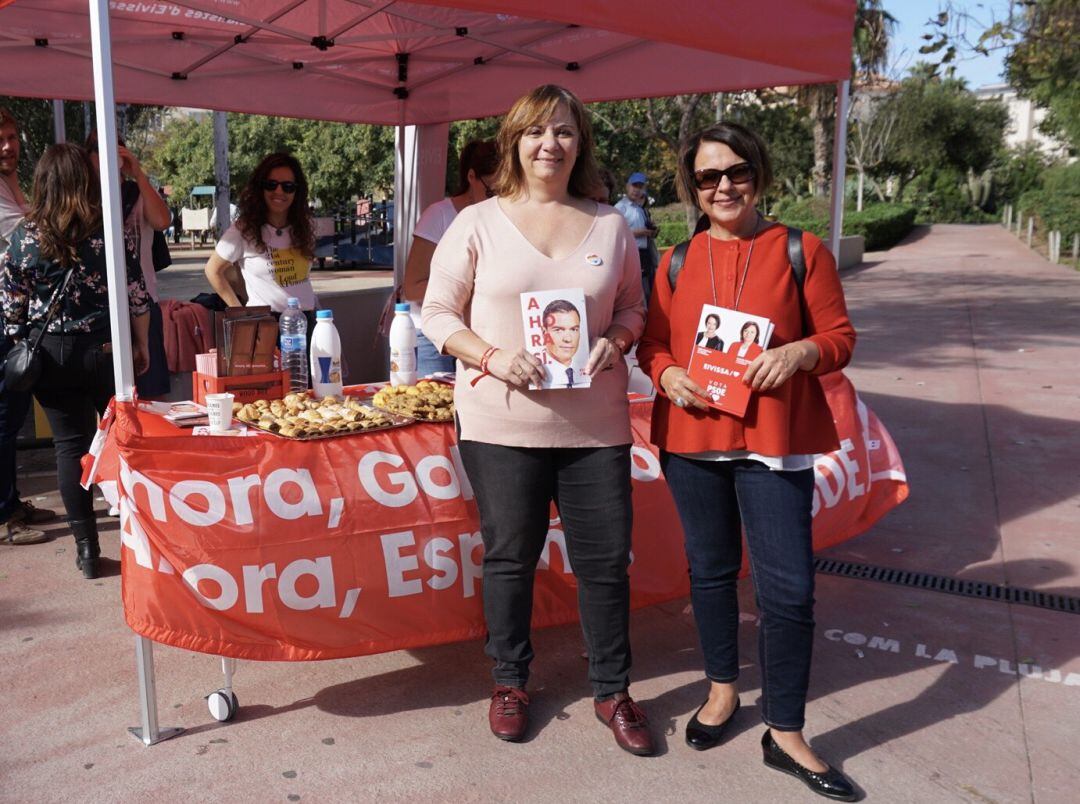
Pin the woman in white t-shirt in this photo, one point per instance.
(272, 241)
(476, 169)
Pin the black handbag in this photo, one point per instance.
(159, 249)
(23, 365)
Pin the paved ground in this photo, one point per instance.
(967, 352)
(185, 278)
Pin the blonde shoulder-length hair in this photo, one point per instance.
(533, 109)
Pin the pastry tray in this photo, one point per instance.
(396, 420)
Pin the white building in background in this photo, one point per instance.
(1024, 120)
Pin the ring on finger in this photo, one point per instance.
(680, 402)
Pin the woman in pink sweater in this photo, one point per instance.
(524, 448)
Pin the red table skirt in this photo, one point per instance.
(264, 548)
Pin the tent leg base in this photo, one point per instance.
(162, 735)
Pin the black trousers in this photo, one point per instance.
(514, 488)
(75, 386)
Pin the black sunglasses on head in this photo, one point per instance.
(710, 178)
(272, 184)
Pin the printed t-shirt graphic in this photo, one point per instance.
(291, 267)
(273, 274)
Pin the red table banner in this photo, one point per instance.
(264, 548)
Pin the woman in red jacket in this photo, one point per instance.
(755, 472)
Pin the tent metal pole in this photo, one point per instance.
(405, 157)
(105, 107)
(123, 372)
(839, 165)
(221, 173)
(59, 128)
(148, 732)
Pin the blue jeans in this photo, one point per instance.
(715, 500)
(428, 359)
(514, 487)
(14, 406)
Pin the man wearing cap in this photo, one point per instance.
(632, 207)
(17, 517)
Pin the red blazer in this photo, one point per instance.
(752, 351)
(791, 420)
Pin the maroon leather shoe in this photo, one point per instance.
(509, 713)
(628, 722)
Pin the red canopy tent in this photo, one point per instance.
(426, 61)
(401, 63)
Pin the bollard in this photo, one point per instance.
(1031, 229)
(1055, 239)
(1076, 247)
(1019, 219)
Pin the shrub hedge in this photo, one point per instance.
(881, 225)
(1057, 203)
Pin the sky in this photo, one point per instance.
(911, 17)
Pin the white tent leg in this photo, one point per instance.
(419, 180)
(120, 322)
(59, 128)
(148, 733)
(221, 173)
(839, 165)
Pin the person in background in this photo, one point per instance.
(265, 257)
(605, 188)
(523, 449)
(476, 169)
(633, 208)
(145, 212)
(62, 232)
(755, 474)
(17, 516)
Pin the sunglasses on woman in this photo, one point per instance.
(710, 178)
(272, 184)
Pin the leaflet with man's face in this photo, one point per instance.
(557, 334)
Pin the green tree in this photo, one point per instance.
(341, 161)
(785, 127)
(942, 135)
(870, 51)
(35, 118)
(1043, 55)
(1045, 64)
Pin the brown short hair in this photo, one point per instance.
(530, 110)
(479, 156)
(744, 142)
(7, 118)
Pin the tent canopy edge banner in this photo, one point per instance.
(419, 62)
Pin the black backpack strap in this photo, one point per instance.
(797, 259)
(678, 257)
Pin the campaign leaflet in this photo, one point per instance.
(726, 343)
(557, 333)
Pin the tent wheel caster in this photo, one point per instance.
(223, 705)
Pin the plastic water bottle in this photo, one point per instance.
(402, 346)
(294, 356)
(325, 356)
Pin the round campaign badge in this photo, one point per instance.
(594, 259)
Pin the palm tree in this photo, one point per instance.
(870, 50)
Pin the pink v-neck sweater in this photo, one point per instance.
(480, 267)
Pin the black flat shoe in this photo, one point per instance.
(701, 736)
(831, 784)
